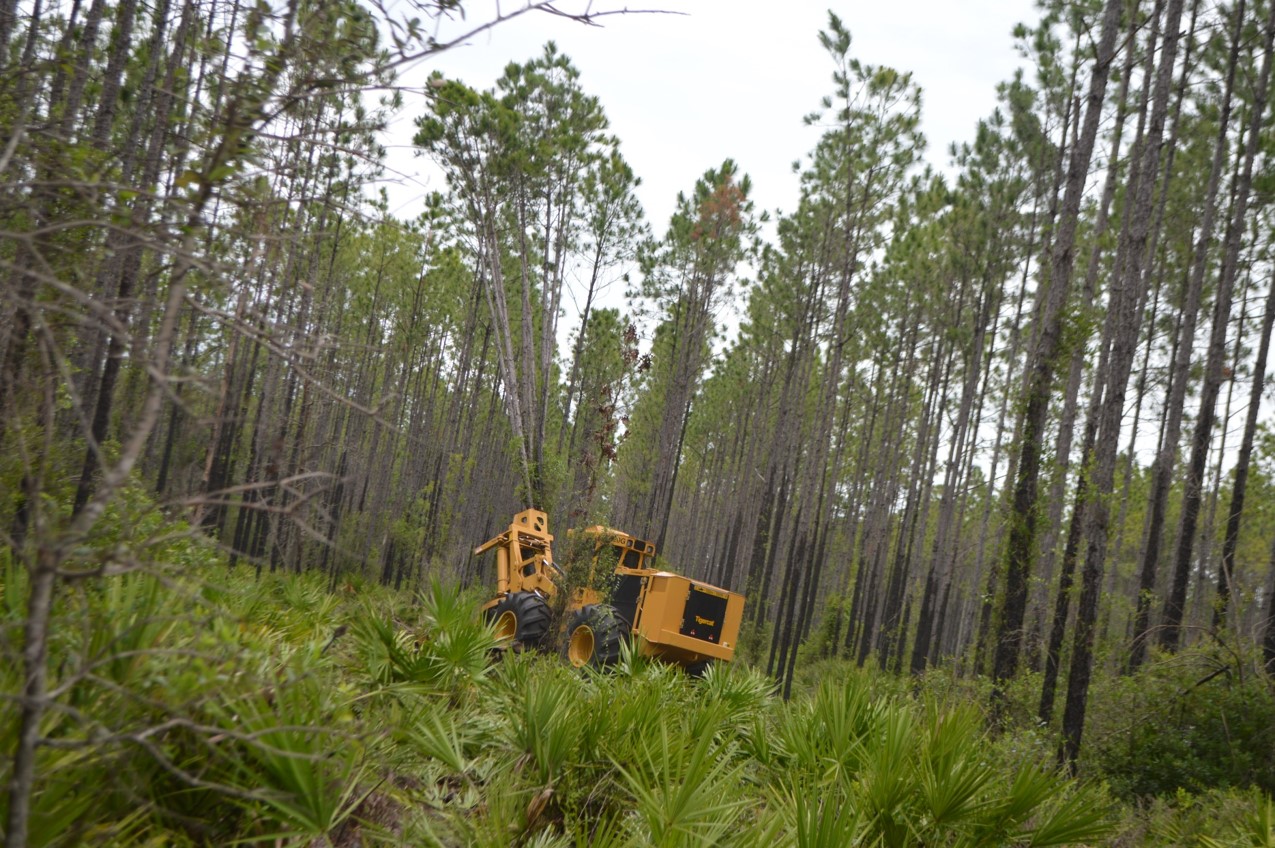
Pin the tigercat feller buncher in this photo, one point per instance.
(679, 620)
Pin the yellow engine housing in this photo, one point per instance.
(685, 620)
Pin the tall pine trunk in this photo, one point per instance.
(1021, 548)
(1170, 637)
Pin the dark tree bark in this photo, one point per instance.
(1170, 636)
(942, 555)
(1163, 467)
(132, 260)
(1268, 630)
(1066, 424)
(1239, 488)
(1125, 307)
(1038, 389)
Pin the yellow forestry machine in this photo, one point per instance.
(679, 620)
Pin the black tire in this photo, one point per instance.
(594, 637)
(697, 670)
(522, 617)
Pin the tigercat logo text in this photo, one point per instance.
(699, 619)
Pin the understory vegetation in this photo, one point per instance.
(200, 705)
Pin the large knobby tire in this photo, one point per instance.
(523, 618)
(594, 637)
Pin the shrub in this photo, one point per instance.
(1196, 721)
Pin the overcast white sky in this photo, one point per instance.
(733, 78)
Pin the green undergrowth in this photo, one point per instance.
(1199, 721)
(1210, 819)
(220, 708)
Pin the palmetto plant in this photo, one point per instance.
(1255, 828)
(262, 724)
(295, 758)
(743, 691)
(684, 792)
(544, 730)
(893, 775)
(821, 819)
(449, 653)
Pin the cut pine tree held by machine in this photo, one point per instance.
(663, 615)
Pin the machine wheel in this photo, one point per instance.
(594, 637)
(522, 617)
(697, 670)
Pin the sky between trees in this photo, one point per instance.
(718, 78)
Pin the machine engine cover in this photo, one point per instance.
(686, 619)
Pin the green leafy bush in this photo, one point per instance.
(1196, 721)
